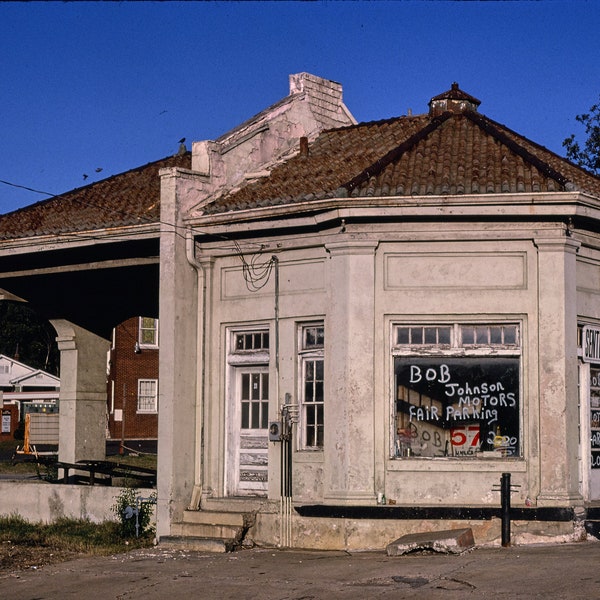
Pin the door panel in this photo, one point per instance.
(248, 471)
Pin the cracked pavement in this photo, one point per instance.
(549, 571)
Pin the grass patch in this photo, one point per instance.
(64, 538)
(146, 461)
(25, 464)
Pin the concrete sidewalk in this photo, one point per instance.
(558, 571)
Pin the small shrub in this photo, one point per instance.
(127, 503)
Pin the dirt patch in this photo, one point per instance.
(20, 557)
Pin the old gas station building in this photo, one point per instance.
(402, 309)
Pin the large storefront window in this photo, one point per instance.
(457, 391)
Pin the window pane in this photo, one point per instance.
(430, 335)
(245, 415)
(264, 423)
(254, 398)
(510, 335)
(265, 386)
(319, 364)
(147, 400)
(310, 426)
(402, 335)
(444, 335)
(416, 335)
(314, 337)
(309, 392)
(318, 391)
(147, 333)
(310, 339)
(496, 335)
(481, 335)
(255, 391)
(319, 414)
(320, 336)
(147, 336)
(468, 335)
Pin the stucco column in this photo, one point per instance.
(82, 424)
(178, 367)
(349, 372)
(558, 394)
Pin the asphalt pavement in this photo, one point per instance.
(550, 571)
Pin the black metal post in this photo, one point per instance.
(288, 483)
(505, 503)
(283, 464)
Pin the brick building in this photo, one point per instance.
(133, 380)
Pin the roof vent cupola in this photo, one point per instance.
(454, 100)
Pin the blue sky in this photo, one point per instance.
(115, 85)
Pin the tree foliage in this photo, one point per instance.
(28, 338)
(588, 155)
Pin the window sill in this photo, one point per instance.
(442, 463)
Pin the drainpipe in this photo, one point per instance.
(276, 267)
(201, 272)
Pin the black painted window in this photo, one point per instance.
(460, 397)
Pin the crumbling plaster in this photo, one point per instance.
(250, 150)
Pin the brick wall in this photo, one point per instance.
(126, 367)
(10, 420)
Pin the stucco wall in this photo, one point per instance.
(375, 534)
(361, 281)
(47, 502)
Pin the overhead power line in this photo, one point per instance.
(24, 187)
(73, 197)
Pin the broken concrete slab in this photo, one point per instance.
(449, 541)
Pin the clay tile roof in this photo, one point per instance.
(456, 152)
(130, 198)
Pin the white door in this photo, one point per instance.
(247, 469)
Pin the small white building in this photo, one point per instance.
(21, 384)
(414, 303)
